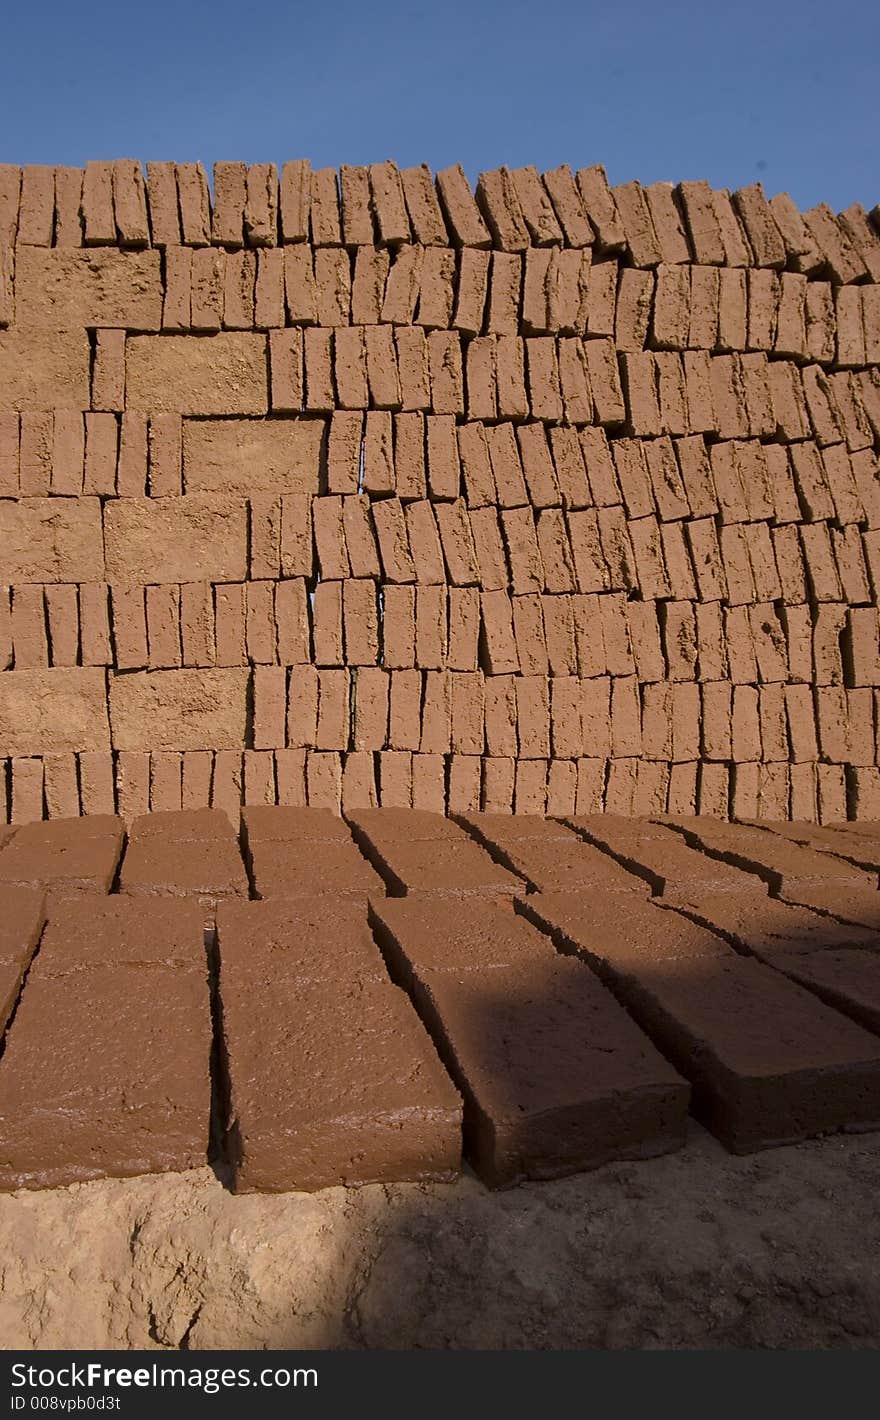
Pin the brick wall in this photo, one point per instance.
(360, 487)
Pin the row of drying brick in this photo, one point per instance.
(416, 456)
(348, 547)
(132, 782)
(434, 627)
(436, 290)
(490, 979)
(109, 203)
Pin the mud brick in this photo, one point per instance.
(672, 394)
(464, 628)
(530, 787)
(30, 645)
(458, 546)
(558, 616)
(94, 625)
(295, 195)
(728, 397)
(131, 468)
(329, 538)
(545, 394)
(398, 626)
(596, 714)
(163, 204)
(499, 204)
(863, 649)
(763, 304)
(797, 621)
(856, 225)
(828, 625)
(696, 476)
(851, 415)
(431, 627)
(327, 624)
(429, 783)
(644, 634)
(850, 328)
(711, 646)
(680, 640)
(506, 467)
(555, 552)
(26, 791)
(633, 477)
(774, 737)
(436, 288)
(737, 564)
(864, 470)
(821, 566)
(821, 331)
(626, 723)
(574, 380)
(871, 321)
(505, 285)
(370, 710)
(358, 782)
(378, 453)
(601, 475)
(424, 539)
(195, 204)
(534, 207)
(633, 309)
(640, 389)
(601, 298)
(344, 451)
(704, 308)
(756, 215)
(838, 254)
(605, 382)
(324, 780)
(682, 793)
(773, 791)
(197, 624)
(832, 723)
(68, 453)
(412, 360)
(770, 647)
(736, 247)
(35, 454)
(804, 804)
(467, 722)
(533, 716)
(701, 219)
(44, 540)
(733, 310)
(436, 713)
(286, 373)
(865, 793)
(498, 646)
(350, 367)
(472, 291)
(357, 217)
(588, 635)
(817, 393)
(800, 723)
(404, 714)
(697, 365)
(635, 216)
(227, 785)
(68, 208)
(667, 224)
(332, 286)
(814, 494)
(333, 710)
(230, 196)
(665, 478)
(754, 376)
(155, 539)
(445, 370)
(491, 560)
(648, 553)
(480, 375)
(177, 305)
(670, 314)
(220, 374)
(510, 378)
(617, 548)
(166, 785)
(163, 627)
(443, 463)
(299, 286)
(685, 722)
(799, 245)
(621, 786)
(568, 291)
(129, 627)
(388, 204)
(259, 777)
(780, 481)
(97, 205)
(591, 571)
(409, 456)
(260, 629)
(207, 279)
(9, 452)
(297, 553)
(302, 706)
(862, 736)
(382, 375)
(359, 539)
(108, 371)
(323, 209)
(498, 785)
(526, 567)
(60, 789)
(10, 196)
(765, 575)
(570, 472)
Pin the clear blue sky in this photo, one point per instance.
(783, 91)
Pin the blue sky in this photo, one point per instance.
(781, 92)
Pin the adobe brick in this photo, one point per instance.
(728, 397)
(436, 713)
(163, 206)
(871, 322)
(600, 207)
(269, 300)
(640, 390)
(498, 646)
(559, 626)
(617, 548)
(412, 361)
(350, 367)
(737, 566)
(26, 776)
(405, 714)
(177, 306)
(856, 224)
(821, 566)
(36, 209)
(194, 202)
(799, 244)
(755, 213)
(821, 330)
(445, 370)
(591, 571)
(588, 635)
(460, 209)
(197, 624)
(324, 780)
(163, 627)
(667, 223)
(829, 623)
(323, 209)
(480, 378)
(605, 382)
(737, 252)
(378, 456)
(705, 299)
(295, 200)
(68, 453)
(733, 310)
(261, 635)
(53, 711)
(762, 561)
(431, 627)
(819, 405)
(864, 471)
(370, 712)
(851, 416)
(567, 206)
(635, 216)
(670, 314)
(851, 566)
(44, 370)
(399, 627)
(35, 454)
(698, 392)
(457, 542)
(701, 219)
(672, 393)
(615, 636)
(327, 637)
(601, 298)
(839, 255)
(409, 455)
(333, 713)
(302, 707)
(510, 378)
(635, 292)
(30, 645)
(545, 394)
(850, 328)
(436, 288)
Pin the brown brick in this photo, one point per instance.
(763, 234)
(670, 316)
(510, 378)
(302, 707)
(219, 374)
(162, 203)
(173, 540)
(195, 204)
(412, 361)
(737, 251)
(839, 255)
(457, 542)
(44, 370)
(829, 622)
(702, 223)
(265, 536)
(799, 245)
(398, 627)
(295, 200)
(260, 630)
(635, 292)
(436, 288)
(239, 287)
(207, 280)
(464, 628)
(850, 328)
(431, 627)
(530, 635)
(327, 624)
(497, 637)
(443, 463)
(617, 548)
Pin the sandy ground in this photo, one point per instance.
(698, 1249)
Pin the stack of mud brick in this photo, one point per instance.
(360, 487)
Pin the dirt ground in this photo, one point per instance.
(698, 1249)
